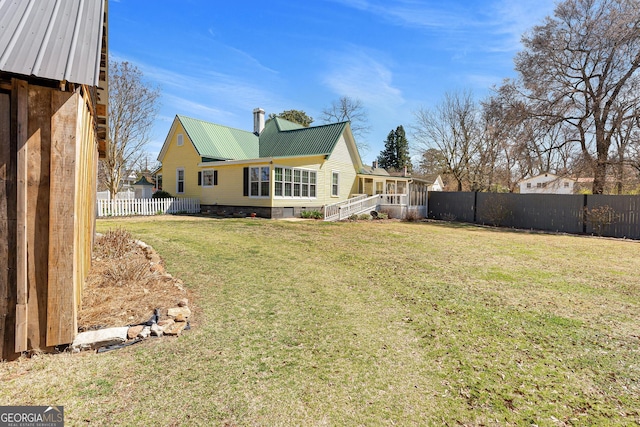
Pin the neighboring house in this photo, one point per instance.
(547, 183)
(143, 188)
(435, 182)
(127, 183)
(279, 170)
(53, 121)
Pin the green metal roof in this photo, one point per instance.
(284, 124)
(143, 181)
(282, 138)
(220, 142)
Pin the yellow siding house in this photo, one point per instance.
(279, 170)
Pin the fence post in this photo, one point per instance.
(475, 207)
(584, 213)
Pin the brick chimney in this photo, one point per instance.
(258, 120)
(375, 164)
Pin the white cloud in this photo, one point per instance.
(510, 19)
(412, 13)
(359, 75)
(206, 88)
(490, 27)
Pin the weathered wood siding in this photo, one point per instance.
(48, 164)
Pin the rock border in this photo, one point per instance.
(174, 323)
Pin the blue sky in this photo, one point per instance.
(218, 60)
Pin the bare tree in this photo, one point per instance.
(453, 128)
(581, 68)
(527, 144)
(133, 106)
(352, 110)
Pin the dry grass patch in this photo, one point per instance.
(126, 283)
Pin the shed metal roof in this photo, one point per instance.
(53, 39)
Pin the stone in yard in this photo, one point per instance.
(156, 330)
(180, 318)
(145, 332)
(183, 302)
(166, 324)
(134, 331)
(176, 329)
(173, 312)
(100, 338)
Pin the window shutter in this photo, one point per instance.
(245, 182)
(199, 178)
(215, 177)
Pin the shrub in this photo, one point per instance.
(364, 217)
(385, 212)
(411, 216)
(161, 194)
(113, 244)
(448, 217)
(353, 217)
(600, 216)
(496, 210)
(311, 214)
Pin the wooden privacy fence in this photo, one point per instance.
(125, 207)
(606, 215)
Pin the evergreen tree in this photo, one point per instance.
(395, 155)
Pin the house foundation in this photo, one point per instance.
(262, 212)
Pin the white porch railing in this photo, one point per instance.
(361, 204)
(147, 207)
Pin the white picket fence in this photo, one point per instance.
(147, 207)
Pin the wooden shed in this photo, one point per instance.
(53, 107)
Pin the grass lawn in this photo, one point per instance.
(367, 323)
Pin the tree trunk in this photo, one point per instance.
(599, 176)
(620, 177)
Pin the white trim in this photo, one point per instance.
(337, 193)
(178, 170)
(260, 182)
(264, 160)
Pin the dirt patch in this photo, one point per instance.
(127, 281)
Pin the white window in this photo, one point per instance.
(296, 182)
(259, 181)
(208, 178)
(288, 179)
(566, 185)
(180, 180)
(291, 182)
(335, 184)
(180, 140)
(528, 185)
(539, 185)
